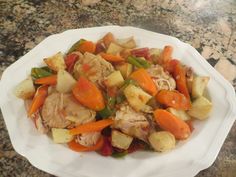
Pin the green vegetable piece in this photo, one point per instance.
(119, 154)
(143, 62)
(75, 46)
(106, 112)
(134, 62)
(138, 62)
(120, 99)
(37, 73)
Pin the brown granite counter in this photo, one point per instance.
(209, 26)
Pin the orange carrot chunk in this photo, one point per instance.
(87, 46)
(166, 55)
(49, 80)
(38, 99)
(80, 148)
(169, 122)
(180, 78)
(144, 80)
(112, 58)
(91, 127)
(173, 99)
(88, 94)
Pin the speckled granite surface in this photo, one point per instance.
(209, 26)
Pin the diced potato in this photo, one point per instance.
(125, 69)
(179, 113)
(65, 81)
(60, 135)
(120, 140)
(128, 43)
(199, 85)
(114, 79)
(162, 141)
(155, 51)
(25, 89)
(56, 62)
(136, 97)
(114, 48)
(201, 108)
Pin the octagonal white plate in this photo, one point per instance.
(187, 159)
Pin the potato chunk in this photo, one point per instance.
(125, 69)
(162, 141)
(179, 113)
(56, 62)
(65, 81)
(114, 79)
(61, 135)
(198, 86)
(120, 140)
(201, 108)
(25, 89)
(114, 49)
(136, 97)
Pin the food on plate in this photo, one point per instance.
(115, 98)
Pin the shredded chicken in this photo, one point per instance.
(162, 79)
(88, 139)
(131, 122)
(58, 108)
(94, 67)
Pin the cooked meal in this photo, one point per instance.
(115, 98)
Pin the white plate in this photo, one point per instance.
(187, 159)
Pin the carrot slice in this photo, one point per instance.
(38, 99)
(49, 80)
(166, 54)
(173, 99)
(144, 80)
(180, 78)
(87, 46)
(112, 58)
(108, 38)
(91, 127)
(88, 94)
(169, 122)
(80, 148)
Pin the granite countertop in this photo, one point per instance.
(209, 26)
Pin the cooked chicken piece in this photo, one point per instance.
(162, 79)
(36, 117)
(94, 67)
(131, 122)
(88, 139)
(58, 107)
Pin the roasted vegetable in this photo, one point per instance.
(162, 141)
(65, 81)
(114, 79)
(49, 80)
(112, 58)
(198, 86)
(88, 94)
(56, 62)
(125, 69)
(114, 49)
(179, 113)
(25, 89)
(171, 123)
(201, 108)
(37, 73)
(136, 97)
(60, 135)
(139, 62)
(120, 140)
(144, 80)
(75, 46)
(128, 43)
